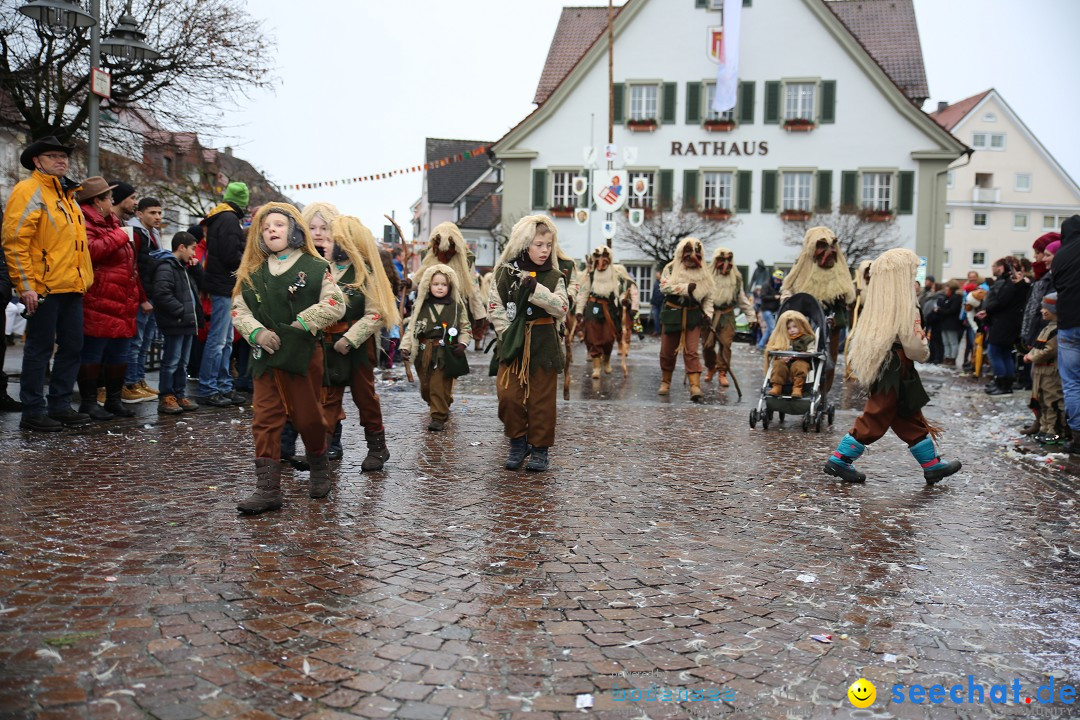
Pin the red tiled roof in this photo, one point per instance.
(888, 31)
(886, 28)
(578, 29)
(951, 115)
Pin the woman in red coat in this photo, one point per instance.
(109, 306)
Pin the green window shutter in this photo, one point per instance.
(824, 191)
(768, 191)
(746, 3)
(828, 101)
(701, 3)
(668, 110)
(905, 203)
(772, 102)
(540, 191)
(746, 102)
(743, 191)
(689, 189)
(693, 103)
(618, 91)
(849, 185)
(667, 189)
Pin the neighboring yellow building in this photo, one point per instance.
(1011, 192)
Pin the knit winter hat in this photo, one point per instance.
(1044, 240)
(237, 194)
(1049, 302)
(121, 191)
(1053, 247)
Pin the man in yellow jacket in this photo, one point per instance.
(44, 238)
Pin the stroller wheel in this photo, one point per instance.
(806, 422)
(781, 417)
(818, 423)
(753, 418)
(766, 420)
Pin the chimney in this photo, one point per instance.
(228, 151)
(940, 106)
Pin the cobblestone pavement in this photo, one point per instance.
(670, 545)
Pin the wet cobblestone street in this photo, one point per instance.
(670, 544)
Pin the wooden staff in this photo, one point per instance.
(568, 340)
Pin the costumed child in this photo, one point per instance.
(728, 295)
(630, 307)
(884, 349)
(351, 344)
(687, 286)
(527, 306)
(284, 297)
(792, 333)
(448, 247)
(1045, 378)
(600, 312)
(435, 337)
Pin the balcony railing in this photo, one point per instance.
(986, 195)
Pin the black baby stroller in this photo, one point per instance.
(813, 405)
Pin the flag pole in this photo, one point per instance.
(611, 87)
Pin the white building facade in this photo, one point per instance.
(819, 124)
(1010, 193)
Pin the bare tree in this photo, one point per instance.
(862, 235)
(501, 232)
(661, 232)
(212, 53)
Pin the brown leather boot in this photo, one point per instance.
(168, 405)
(665, 382)
(796, 387)
(710, 373)
(696, 394)
(596, 364)
(1034, 427)
(776, 390)
(319, 475)
(377, 453)
(723, 378)
(607, 364)
(267, 495)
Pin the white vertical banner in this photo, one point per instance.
(727, 74)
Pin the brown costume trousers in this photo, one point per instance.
(363, 395)
(281, 396)
(534, 416)
(783, 373)
(436, 389)
(600, 334)
(1047, 389)
(725, 336)
(669, 344)
(881, 413)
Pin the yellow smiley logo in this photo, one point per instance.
(862, 693)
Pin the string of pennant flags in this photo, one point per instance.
(441, 162)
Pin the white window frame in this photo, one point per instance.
(978, 264)
(984, 140)
(880, 188)
(796, 190)
(996, 136)
(975, 140)
(562, 188)
(1016, 182)
(638, 96)
(643, 275)
(975, 216)
(946, 257)
(708, 113)
(1056, 224)
(804, 105)
(716, 198)
(950, 179)
(648, 200)
(948, 219)
(1027, 222)
(990, 117)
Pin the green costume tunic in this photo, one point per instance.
(433, 316)
(341, 368)
(546, 344)
(672, 316)
(275, 302)
(900, 376)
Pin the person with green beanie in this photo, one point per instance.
(224, 250)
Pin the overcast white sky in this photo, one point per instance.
(362, 83)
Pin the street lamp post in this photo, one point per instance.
(126, 42)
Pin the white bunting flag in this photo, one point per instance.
(727, 74)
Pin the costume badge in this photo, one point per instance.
(528, 310)
(595, 310)
(511, 311)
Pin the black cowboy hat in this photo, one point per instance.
(41, 146)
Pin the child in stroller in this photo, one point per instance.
(792, 333)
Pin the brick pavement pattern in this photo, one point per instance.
(670, 544)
